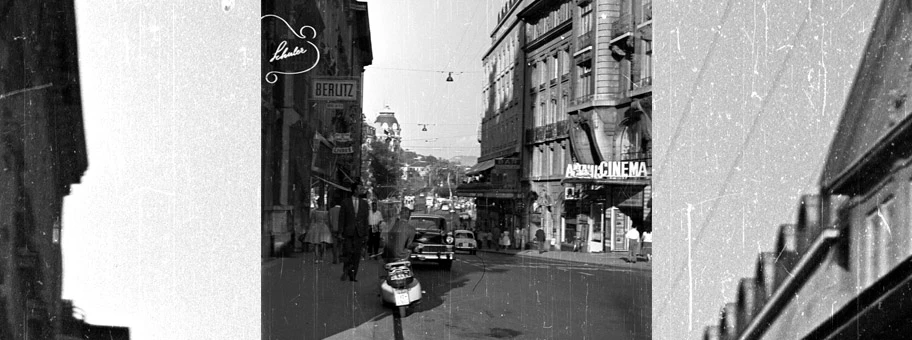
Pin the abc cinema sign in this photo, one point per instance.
(607, 170)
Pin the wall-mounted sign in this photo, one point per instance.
(607, 170)
(507, 163)
(293, 50)
(343, 150)
(342, 137)
(335, 89)
(335, 106)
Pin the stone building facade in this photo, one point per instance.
(569, 86)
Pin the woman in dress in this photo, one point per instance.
(319, 234)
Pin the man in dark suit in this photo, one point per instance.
(353, 220)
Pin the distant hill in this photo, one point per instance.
(464, 160)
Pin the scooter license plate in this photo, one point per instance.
(402, 297)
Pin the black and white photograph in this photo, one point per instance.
(457, 169)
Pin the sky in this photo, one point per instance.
(748, 96)
(162, 234)
(414, 42)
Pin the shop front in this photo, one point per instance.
(602, 202)
(494, 185)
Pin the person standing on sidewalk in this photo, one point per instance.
(319, 235)
(495, 235)
(505, 241)
(517, 238)
(374, 219)
(540, 238)
(334, 228)
(354, 224)
(633, 244)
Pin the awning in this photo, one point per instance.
(581, 144)
(477, 168)
(608, 181)
(331, 183)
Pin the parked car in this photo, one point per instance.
(465, 240)
(433, 241)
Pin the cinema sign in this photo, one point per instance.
(606, 170)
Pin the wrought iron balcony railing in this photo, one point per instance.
(584, 40)
(562, 128)
(581, 99)
(639, 83)
(637, 155)
(622, 25)
(646, 15)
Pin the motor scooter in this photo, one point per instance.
(400, 288)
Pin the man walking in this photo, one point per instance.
(353, 219)
(374, 219)
(540, 238)
(633, 243)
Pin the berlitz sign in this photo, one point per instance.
(335, 89)
(607, 170)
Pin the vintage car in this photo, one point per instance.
(465, 240)
(432, 240)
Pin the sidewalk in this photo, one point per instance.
(607, 258)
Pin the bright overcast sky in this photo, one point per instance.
(437, 35)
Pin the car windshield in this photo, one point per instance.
(424, 223)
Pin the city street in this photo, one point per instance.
(491, 295)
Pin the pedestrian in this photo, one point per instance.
(505, 241)
(374, 219)
(646, 247)
(540, 238)
(517, 238)
(488, 236)
(319, 234)
(353, 221)
(334, 228)
(496, 236)
(633, 244)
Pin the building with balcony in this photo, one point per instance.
(496, 183)
(588, 103)
(312, 131)
(549, 32)
(569, 86)
(843, 269)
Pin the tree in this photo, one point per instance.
(386, 168)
